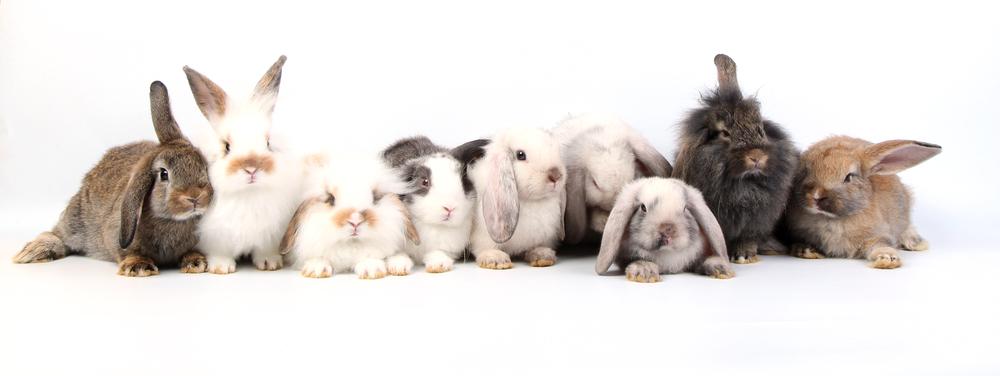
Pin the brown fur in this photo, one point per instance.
(137, 266)
(870, 210)
(411, 230)
(292, 232)
(193, 262)
(261, 162)
(211, 99)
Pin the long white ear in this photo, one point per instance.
(500, 204)
(614, 229)
(575, 217)
(654, 163)
(890, 157)
(706, 220)
(211, 99)
(266, 91)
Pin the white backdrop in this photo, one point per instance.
(74, 78)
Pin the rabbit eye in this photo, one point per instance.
(425, 183)
(163, 174)
(642, 207)
(850, 177)
(330, 200)
(227, 147)
(724, 133)
(269, 144)
(521, 156)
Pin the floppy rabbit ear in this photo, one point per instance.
(163, 119)
(409, 228)
(726, 68)
(614, 229)
(890, 157)
(406, 149)
(499, 200)
(575, 217)
(210, 97)
(266, 92)
(139, 185)
(654, 163)
(292, 232)
(706, 220)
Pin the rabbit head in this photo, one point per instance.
(663, 215)
(731, 126)
(438, 193)
(244, 156)
(835, 175)
(172, 182)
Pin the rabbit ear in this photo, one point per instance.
(890, 157)
(266, 92)
(292, 232)
(500, 203)
(210, 97)
(706, 220)
(163, 119)
(727, 73)
(411, 230)
(654, 163)
(139, 185)
(575, 217)
(614, 229)
(406, 149)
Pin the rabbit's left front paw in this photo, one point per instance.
(912, 241)
(643, 272)
(370, 269)
(137, 266)
(540, 257)
(267, 262)
(399, 265)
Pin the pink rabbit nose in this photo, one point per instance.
(554, 175)
(447, 209)
(192, 200)
(250, 171)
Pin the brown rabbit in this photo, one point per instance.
(139, 206)
(848, 202)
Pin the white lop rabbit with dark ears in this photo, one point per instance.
(519, 178)
(662, 226)
(602, 154)
(257, 182)
(441, 200)
(352, 219)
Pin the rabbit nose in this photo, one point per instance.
(448, 210)
(668, 229)
(756, 158)
(554, 175)
(824, 203)
(192, 200)
(250, 171)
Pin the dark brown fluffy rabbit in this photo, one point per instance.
(742, 163)
(139, 206)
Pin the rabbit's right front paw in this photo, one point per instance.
(370, 269)
(317, 268)
(744, 253)
(221, 265)
(438, 262)
(806, 252)
(494, 259)
(643, 272)
(193, 262)
(46, 247)
(885, 258)
(137, 266)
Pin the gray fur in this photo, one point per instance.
(123, 208)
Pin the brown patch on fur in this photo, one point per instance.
(370, 217)
(137, 266)
(755, 157)
(340, 216)
(211, 99)
(292, 231)
(193, 262)
(411, 230)
(260, 162)
(180, 203)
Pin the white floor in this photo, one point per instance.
(938, 314)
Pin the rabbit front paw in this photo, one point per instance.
(438, 262)
(370, 269)
(46, 247)
(221, 265)
(193, 262)
(399, 265)
(540, 257)
(317, 268)
(806, 252)
(643, 272)
(494, 259)
(267, 261)
(885, 258)
(137, 266)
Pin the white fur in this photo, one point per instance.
(599, 144)
(247, 218)
(321, 242)
(439, 232)
(684, 251)
(541, 202)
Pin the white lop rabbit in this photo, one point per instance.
(352, 219)
(257, 182)
(602, 153)
(663, 226)
(519, 178)
(440, 199)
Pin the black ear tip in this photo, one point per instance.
(282, 58)
(157, 86)
(927, 145)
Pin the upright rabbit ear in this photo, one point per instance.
(890, 157)
(163, 119)
(706, 220)
(139, 185)
(292, 232)
(408, 227)
(654, 163)
(500, 204)
(575, 217)
(727, 74)
(614, 230)
(210, 97)
(266, 92)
